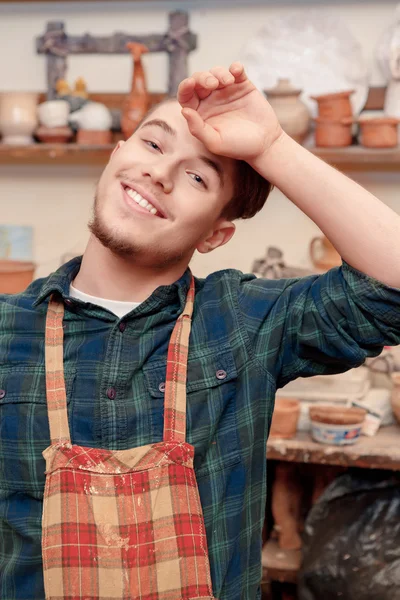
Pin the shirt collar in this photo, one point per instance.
(60, 282)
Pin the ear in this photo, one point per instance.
(117, 147)
(219, 236)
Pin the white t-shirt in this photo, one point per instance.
(118, 308)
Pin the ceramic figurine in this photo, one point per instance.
(136, 103)
(80, 90)
(292, 113)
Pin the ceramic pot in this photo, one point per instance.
(336, 415)
(291, 112)
(379, 133)
(323, 254)
(334, 106)
(333, 134)
(15, 275)
(94, 116)
(395, 395)
(87, 137)
(53, 113)
(18, 118)
(54, 135)
(285, 418)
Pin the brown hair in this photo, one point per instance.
(250, 189)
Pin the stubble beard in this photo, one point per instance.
(153, 256)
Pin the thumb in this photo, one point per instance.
(201, 130)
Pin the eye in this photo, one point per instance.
(152, 145)
(197, 179)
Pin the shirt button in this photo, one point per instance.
(161, 387)
(221, 374)
(2, 394)
(69, 302)
(122, 326)
(111, 393)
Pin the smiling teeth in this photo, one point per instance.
(141, 201)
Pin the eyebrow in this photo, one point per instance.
(216, 166)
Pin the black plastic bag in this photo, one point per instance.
(352, 540)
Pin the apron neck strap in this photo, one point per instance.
(175, 384)
(55, 383)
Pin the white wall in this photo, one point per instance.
(57, 201)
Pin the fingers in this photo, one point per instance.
(238, 72)
(203, 132)
(187, 95)
(223, 75)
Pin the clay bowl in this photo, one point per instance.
(379, 132)
(395, 395)
(333, 133)
(334, 106)
(15, 275)
(336, 415)
(285, 418)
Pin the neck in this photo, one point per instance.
(106, 275)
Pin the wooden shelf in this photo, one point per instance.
(353, 158)
(279, 565)
(381, 451)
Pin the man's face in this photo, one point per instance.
(162, 192)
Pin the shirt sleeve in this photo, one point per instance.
(316, 325)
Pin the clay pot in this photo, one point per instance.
(333, 133)
(136, 104)
(334, 106)
(291, 112)
(379, 133)
(323, 254)
(18, 118)
(53, 113)
(336, 415)
(87, 137)
(284, 419)
(15, 275)
(395, 395)
(54, 135)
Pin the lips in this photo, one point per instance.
(142, 201)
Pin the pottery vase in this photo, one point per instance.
(323, 254)
(292, 113)
(136, 104)
(334, 106)
(395, 395)
(333, 133)
(285, 418)
(379, 133)
(18, 117)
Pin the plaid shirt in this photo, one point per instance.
(249, 336)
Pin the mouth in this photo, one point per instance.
(141, 202)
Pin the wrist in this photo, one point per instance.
(269, 163)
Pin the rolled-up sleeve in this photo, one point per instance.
(320, 324)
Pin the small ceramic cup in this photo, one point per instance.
(53, 113)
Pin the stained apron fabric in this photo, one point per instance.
(124, 524)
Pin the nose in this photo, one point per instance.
(160, 174)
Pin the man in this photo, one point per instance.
(192, 167)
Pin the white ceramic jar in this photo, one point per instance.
(18, 118)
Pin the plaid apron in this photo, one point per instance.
(123, 524)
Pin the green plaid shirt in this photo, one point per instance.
(249, 336)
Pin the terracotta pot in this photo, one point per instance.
(15, 275)
(88, 137)
(379, 133)
(333, 134)
(285, 418)
(336, 415)
(334, 106)
(323, 254)
(54, 135)
(291, 112)
(395, 395)
(18, 117)
(136, 104)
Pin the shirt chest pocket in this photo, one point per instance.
(24, 426)
(211, 407)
